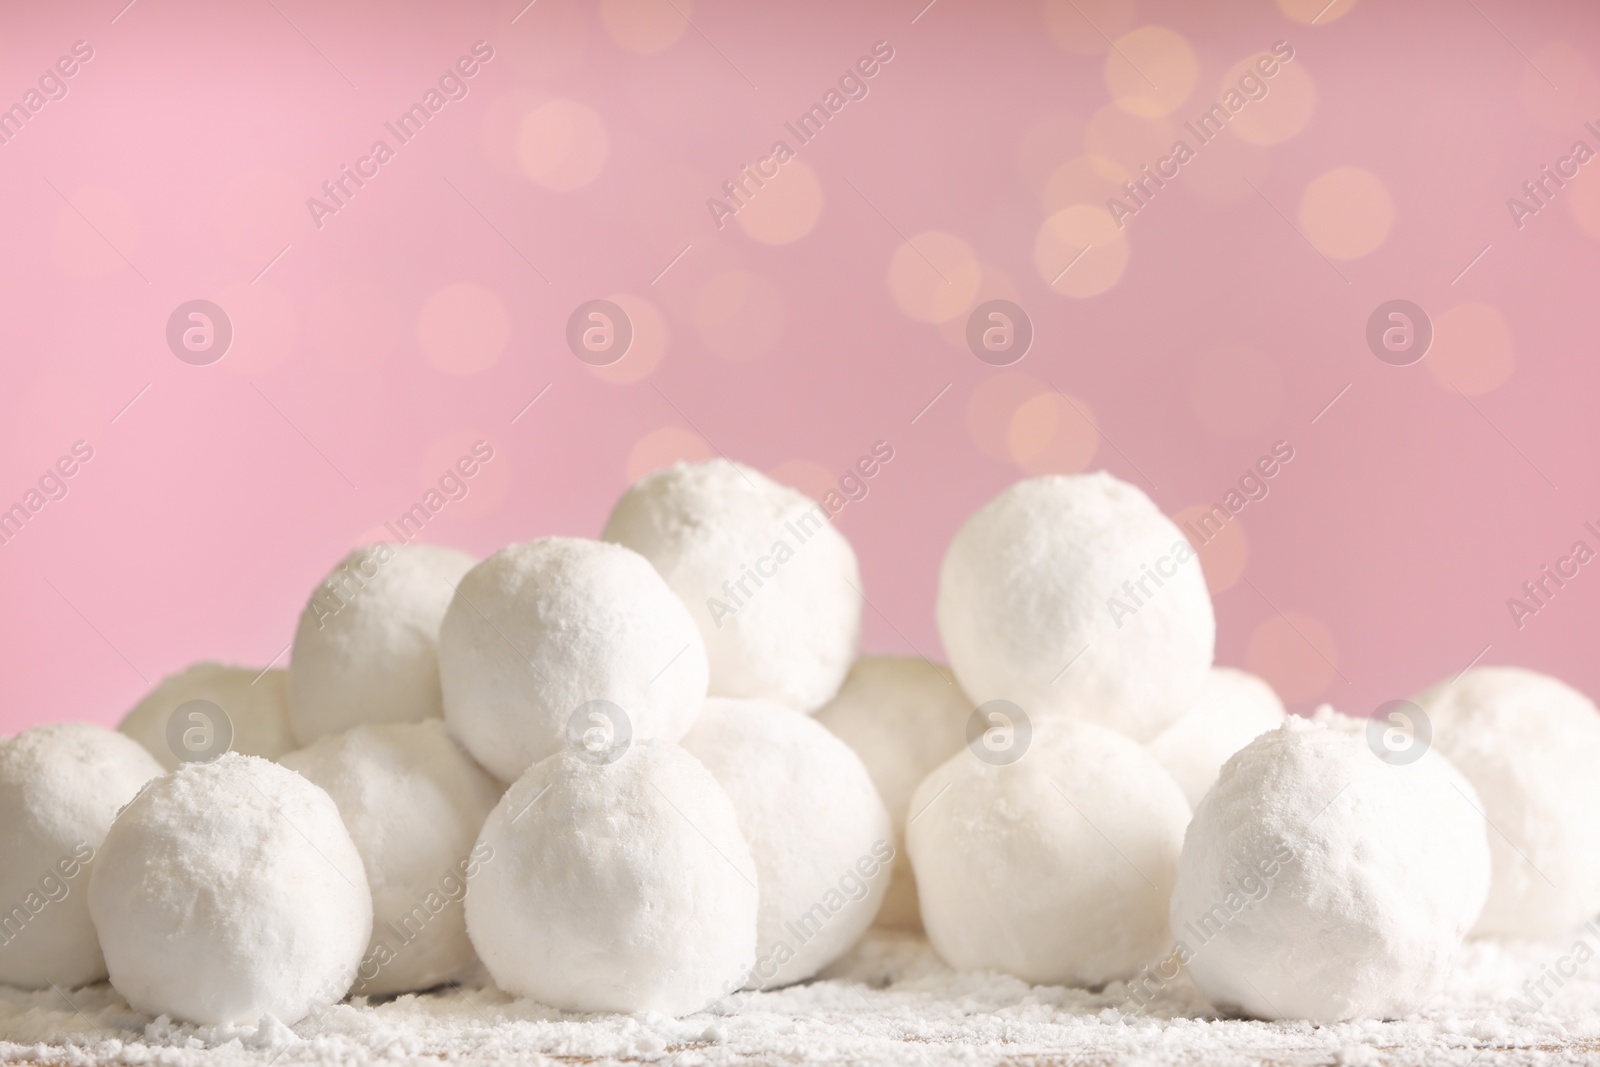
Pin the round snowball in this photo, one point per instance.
(1319, 882)
(230, 890)
(1074, 594)
(771, 583)
(1231, 709)
(616, 887)
(820, 835)
(255, 702)
(1530, 745)
(540, 629)
(1055, 868)
(903, 716)
(413, 803)
(366, 648)
(60, 787)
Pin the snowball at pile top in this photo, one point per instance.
(365, 650)
(771, 583)
(1074, 595)
(539, 629)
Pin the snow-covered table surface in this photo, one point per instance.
(890, 1002)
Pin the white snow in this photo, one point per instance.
(891, 1001)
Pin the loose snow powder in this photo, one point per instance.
(891, 1001)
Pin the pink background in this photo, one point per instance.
(378, 347)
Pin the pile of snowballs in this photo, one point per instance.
(645, 772)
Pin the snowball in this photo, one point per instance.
(1320, 882)
(540, 629)
(60, 787)
(1055, 868)
(771, 583)
(1074, 594)
(230, 890)
(255, 702)
(413, 803)
(904, 717)
(616, 887)
(366, 648)
(1530, 745)
(820, 835)
(1230, 709)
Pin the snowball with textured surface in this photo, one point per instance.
(60, 787)
(821, 837)
(1319, 882)
(1074, 594)
(413, 803)
(1055, 868)
(1530, 746)
(770, 581)
(256, 703)
(904, 717)
(230, 890)
(366, 648)
(1230, 709)
(541, 628)
(623, 886)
